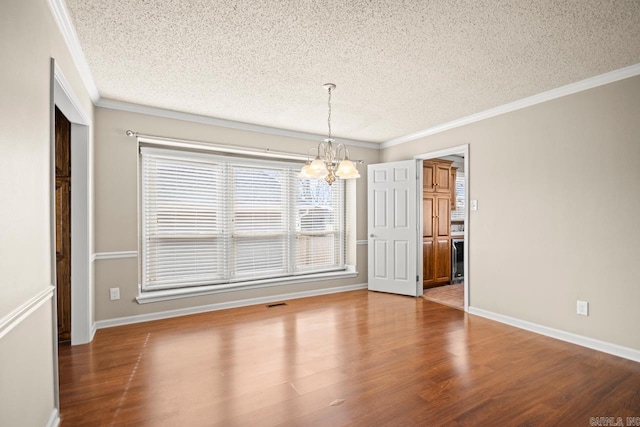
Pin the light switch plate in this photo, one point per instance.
(583, 308)
(474, 205)
(114, 294)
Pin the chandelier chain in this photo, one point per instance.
(329, 118)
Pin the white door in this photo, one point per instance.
(393, 228)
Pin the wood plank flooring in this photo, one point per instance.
(357, 358)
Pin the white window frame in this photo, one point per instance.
(459, 213)
(345, 271)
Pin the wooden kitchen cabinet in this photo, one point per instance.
(436, 239)
(436, 176)
(438, 194)
(443, 216)
(443, 260)
(428, 263)
(428, 215)
(436, 216)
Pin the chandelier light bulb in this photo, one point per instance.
(304, 173)
(318, 169)
(347, 170)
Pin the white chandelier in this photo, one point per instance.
(325, 162)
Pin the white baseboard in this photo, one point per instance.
(100, 324)
(94, 328)
(616, 350)
(54, 419)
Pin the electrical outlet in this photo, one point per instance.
(583, 308)
(114, 294)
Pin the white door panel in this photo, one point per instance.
(393, 228)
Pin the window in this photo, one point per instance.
(210, 220)
(458, 214)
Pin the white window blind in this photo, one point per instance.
(320, 225)
(214, 220)
(458, 213)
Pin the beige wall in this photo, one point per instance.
(558, 190)
(26, 371)
(116, 204)
(28, 39)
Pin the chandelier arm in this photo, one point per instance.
(322, 152)
(344, 149)
(309, 153)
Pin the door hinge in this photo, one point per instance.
(417, 278)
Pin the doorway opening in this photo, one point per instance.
(444, 211)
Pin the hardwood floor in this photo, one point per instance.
(356, 358)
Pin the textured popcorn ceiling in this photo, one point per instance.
(400, 66)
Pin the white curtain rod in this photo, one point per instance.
(208, 146)
(219, 148)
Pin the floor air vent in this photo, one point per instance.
(276, 304)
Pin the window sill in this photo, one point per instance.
(171, 294)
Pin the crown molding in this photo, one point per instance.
(207, 120)
(62, 18)
(590, 83)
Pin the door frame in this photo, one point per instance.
(64, 98)
(459, 149)
(61, 95)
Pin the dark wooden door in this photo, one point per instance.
(63, 224)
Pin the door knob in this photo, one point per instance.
(372, 235)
